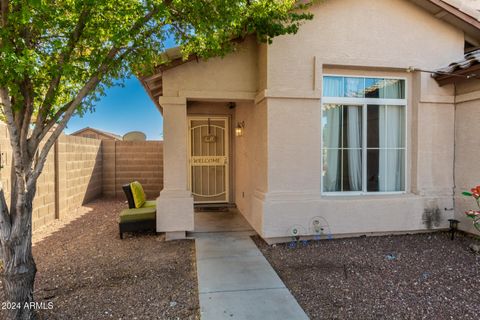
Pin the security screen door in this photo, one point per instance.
(208, 155)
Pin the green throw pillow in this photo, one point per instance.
(138, 194)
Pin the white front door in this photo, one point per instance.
(208, 159)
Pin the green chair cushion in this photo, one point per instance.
(138, 194)
(141, 214)
(150, 204)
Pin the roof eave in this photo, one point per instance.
(153, 84)
(466, 20)
(457, 76)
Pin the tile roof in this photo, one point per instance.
(467, 68)
(471, 59)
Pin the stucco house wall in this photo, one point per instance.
(236, 73)
(278, 92)
(251, 160)
(364, 33)
(467, 149)
(379, 46)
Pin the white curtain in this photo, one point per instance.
(393, 89)
(331, 140)
(392, 136)
(333, 86)
(354, 137)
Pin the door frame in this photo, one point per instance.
(227, 154)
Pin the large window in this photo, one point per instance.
(363, 135)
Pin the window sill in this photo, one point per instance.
(367, 196)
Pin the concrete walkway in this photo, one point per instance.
(236, 281)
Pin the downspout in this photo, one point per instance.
(454, 146)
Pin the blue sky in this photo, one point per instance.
(123, 110)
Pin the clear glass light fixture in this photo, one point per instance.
(239, 129)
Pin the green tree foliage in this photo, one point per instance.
(55, 47)
(57, 57)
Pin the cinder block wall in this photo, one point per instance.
(71, 177)
(109, 168)
(44, 208)
(44, 202)
(126, 161)
(79, 170)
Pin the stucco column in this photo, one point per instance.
(175, 203)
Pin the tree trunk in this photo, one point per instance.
(18, 288)
(19, 267)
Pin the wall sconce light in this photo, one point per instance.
(239, 130)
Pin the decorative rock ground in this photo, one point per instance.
(87, 272)
(424, 276)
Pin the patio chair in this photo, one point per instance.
(137, 217)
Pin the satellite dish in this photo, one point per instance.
(134, 136)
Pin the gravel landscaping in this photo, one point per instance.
(87, 272)
(423, 276)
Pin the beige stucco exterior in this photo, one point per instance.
(467, 149)
(276, 171)
(233, 77)
(175, 203)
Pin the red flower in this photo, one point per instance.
(475, 192)
(472, 213)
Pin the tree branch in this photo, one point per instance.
(26, 116)
(41, 130)
(69, 108)
(65, 57)
(54, 83)
(23, 114)
(5, 222)
(4, 9)
(5, 219)
(91, 84)
(12, 127)
(14, 222)
(14, 141)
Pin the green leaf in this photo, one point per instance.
(465, 193)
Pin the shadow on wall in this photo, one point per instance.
(93, 188)
(78, 173)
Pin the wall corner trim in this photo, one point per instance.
(217, 95)
(172, 101)
(437, 99)
(467, 97)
